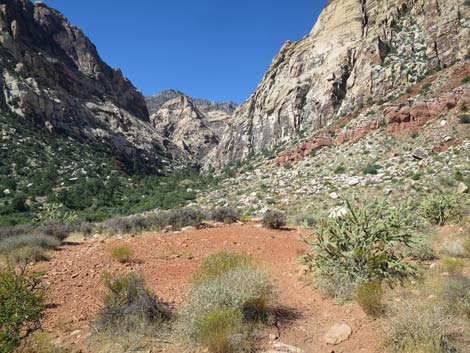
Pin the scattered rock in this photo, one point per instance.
(462, 188)
(353, 181)
(334, 196)
(420, 154)
(338, 333)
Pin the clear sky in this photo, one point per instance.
(214, 49)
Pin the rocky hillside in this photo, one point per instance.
(357, 52)
(194, 125)
(53, 77)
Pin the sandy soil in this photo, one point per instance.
(168, 262)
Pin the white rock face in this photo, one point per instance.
(357, 50)
(183, 123)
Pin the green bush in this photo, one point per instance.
(216, 329)
(466, 79)
(274, 219)
(246, 290)
(122, 254)
(219, 263)
(369, 295)
(464, 119)
(371, 169)
(361, 245)
(22, 305)
(129, 305)
(440, 209)
(227, 215)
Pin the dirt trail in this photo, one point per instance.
(168, 262)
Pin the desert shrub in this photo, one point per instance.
(22, 305)
(222, 262)
(464, 119)
(85, 228)
(7, 232)
(338, 286)
(246, 290)
(184, 217)
(369, 295)
(122, 254)
(56, 229)
(466, 79)
(340, 170)
(455, 292)
(371, 169)
(416, 326)
(123, 225)
(305, 220)
(36, 240)
(216, 329)
(274, 219)
(453, 266)
(420, 250)
(227, 215)
(440, 209)
(28, 254)
(362, 244)
(454, 248)
(129, 305)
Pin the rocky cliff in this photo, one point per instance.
(181, 121)
(195, 125)
(51, 74)
(358, 51)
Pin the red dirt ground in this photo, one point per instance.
(168, 262)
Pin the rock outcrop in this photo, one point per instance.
(195, 125)
(52, 75)
(358, 50)
(183, 123)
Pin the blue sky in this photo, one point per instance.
(214, 49)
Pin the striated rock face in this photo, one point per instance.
(195, 125)
(52, 75)
(181, 121)
(357, 50)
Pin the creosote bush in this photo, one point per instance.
(122, 254)
(369, 295)
(129, 305)
(216, 329)
(227, 215)
(274, 219)
(361, 246)
(222, 262)
(22, 305)
(440, 209)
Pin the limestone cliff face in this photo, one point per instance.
(181, 121)
(51, 74)
(358, 50)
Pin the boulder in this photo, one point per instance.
(462, 188)
(338, 333)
